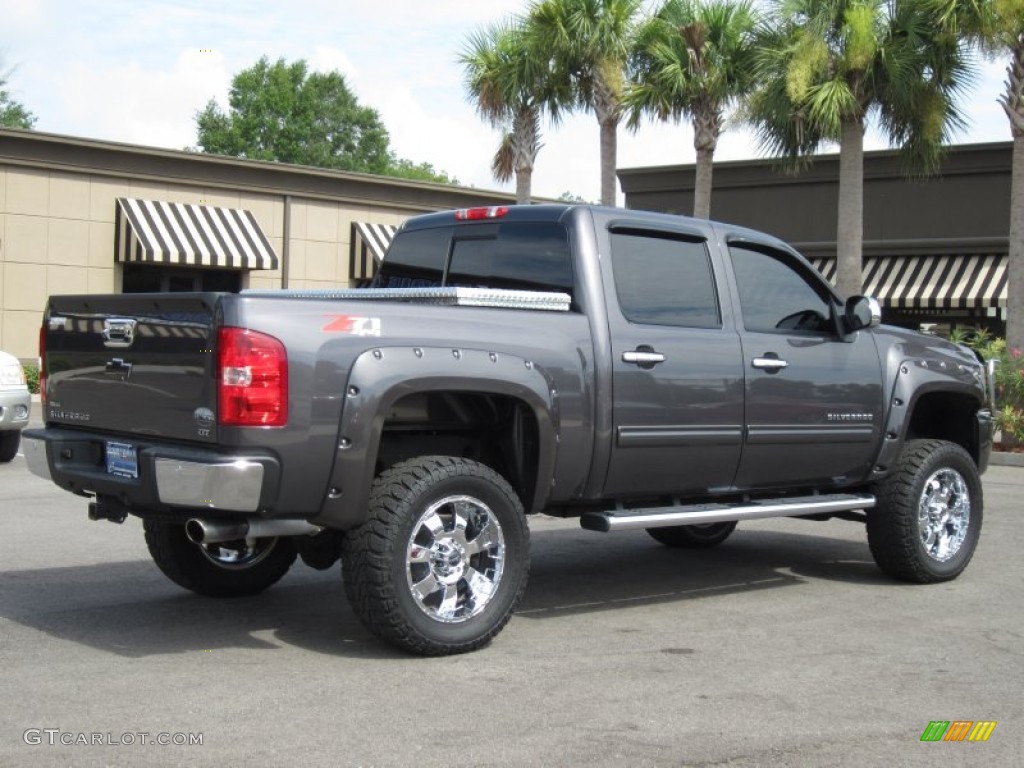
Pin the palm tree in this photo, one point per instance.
(826, 67)
(511, 88)
(588, 42)
(693, 59)
(998, 27)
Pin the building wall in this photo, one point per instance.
(58, 198)
(320, 243)
(964, 206)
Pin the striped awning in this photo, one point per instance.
(369, 242)
(158, 232)
(965, 281)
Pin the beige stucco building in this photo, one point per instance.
(85, 216)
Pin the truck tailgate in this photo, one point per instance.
(137, 364)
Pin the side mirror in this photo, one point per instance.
(861, 312)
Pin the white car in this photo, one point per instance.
(15, 405)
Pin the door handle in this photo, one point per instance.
(770, 364)
(644, 356)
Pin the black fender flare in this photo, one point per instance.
(914, 378)
(382, 376)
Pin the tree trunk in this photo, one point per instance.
(525, 145)
(1015, 265)
(1013, 103)
(850, 229)
(608, 109)
(524, 179)
(702, 184)
(707, 127)
(1015, 290)
(609, 149)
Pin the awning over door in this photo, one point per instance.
(369, 242)
(158, 232)
(932, 282)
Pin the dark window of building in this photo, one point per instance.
(150, 278)
(663, 280)
(775, 297)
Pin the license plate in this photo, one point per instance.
(121, 460)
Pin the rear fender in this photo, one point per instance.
(381, 377)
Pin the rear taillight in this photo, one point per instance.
(252, 379)
(475, 214)
(42, 364)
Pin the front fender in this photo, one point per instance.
(381, 377)
(914, 378)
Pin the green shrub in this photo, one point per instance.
(32, 378)
(1009, 380)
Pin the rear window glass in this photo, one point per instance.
(415, 259)
(531, 256)
(523, 256)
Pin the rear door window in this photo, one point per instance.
(664, 279)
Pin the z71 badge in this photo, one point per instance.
(352, 324)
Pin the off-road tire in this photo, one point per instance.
(928, 470)
(191, 566)
(693, 536)
(407, 556)
(10, 441)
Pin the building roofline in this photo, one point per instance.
(29, 148)
(885, 163)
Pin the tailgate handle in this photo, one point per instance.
(118, 332)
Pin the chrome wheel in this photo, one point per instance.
(944, 514)
(237, 558)
(926, 523)
(443, 560)
(228, 569)
(455, 560)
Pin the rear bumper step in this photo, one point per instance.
(701, 514)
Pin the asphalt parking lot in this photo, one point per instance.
(785, 646)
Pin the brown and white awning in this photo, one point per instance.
(369, 242)
(157, 232)
(948, 281)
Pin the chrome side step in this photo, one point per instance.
(700, 514)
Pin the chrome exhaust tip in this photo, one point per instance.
(201, 531)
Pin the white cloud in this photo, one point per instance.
(133, 104)
(20, 15)
(986, 119)
(327, 58)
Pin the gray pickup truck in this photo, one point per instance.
(630, 369)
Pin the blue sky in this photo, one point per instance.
(137, 71)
